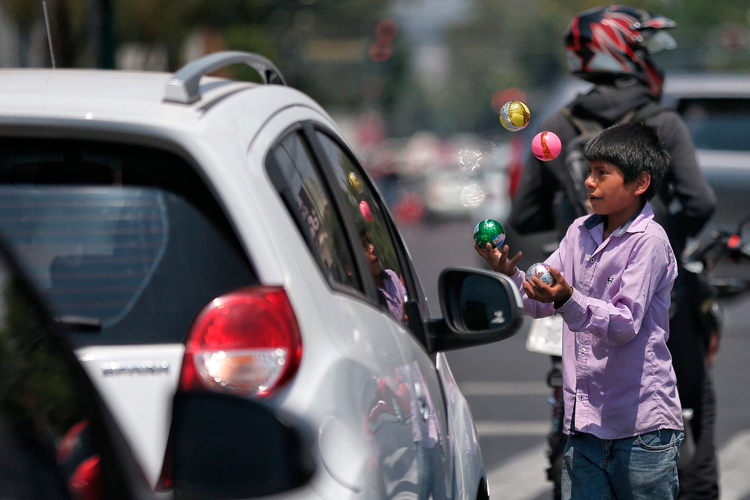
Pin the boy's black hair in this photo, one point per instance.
(634, 148)
(365, 238)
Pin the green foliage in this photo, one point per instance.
(23, 12)
(36, 382)
(250, 38)
(505, 43)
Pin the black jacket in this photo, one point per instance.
(685, 202)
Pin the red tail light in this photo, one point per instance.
(86, 481)
(69, 442)
(245, 343)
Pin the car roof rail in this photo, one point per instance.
(184, 86)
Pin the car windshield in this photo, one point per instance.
(718, 124)
(118, 263)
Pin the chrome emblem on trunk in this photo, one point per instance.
(132, 367)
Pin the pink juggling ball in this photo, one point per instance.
(546, 146)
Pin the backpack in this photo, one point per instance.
(572, 202)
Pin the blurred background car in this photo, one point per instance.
(716, 110)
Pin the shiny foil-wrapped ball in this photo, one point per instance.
(489, 231)
(541, 271)
(355, 183)
(514, 115)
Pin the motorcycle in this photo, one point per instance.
(701, 258)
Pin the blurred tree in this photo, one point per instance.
(36, 381)
(330, 49)
(100, 28)
(76, 27)
(63, 40)
(24, 14)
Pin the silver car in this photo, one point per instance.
(205, 235)
(716, 110)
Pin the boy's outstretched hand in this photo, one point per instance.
(498, 259)
(559, 292)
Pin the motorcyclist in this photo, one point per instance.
(610, 47)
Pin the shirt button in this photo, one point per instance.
(580, 398)
(592, 260)
(583, 350)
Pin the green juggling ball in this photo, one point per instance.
(489, 231)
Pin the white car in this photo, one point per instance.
(200, 234)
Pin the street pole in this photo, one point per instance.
(100, 29)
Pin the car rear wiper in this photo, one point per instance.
(80, 323)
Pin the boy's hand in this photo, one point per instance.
(559, 292)
(497, 259)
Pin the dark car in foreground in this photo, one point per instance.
(59, 441)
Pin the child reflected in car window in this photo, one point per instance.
(387, 281)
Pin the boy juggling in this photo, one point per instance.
(613, 273)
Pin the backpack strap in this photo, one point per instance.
(647, 111)
(583, 126)
(575, 165)
(592, 127)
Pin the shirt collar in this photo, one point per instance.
(636, 224)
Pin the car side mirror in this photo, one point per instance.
(223, 446)
(479, 307)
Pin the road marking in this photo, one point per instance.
(522, 476)
(505, 389)
(734, 464)
(497, 429)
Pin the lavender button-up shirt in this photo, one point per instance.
(617, 371)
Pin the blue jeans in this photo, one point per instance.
(640, 467)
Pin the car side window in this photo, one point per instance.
(370, 221)
(293, 173)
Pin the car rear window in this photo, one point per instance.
(718, 124)
(126, 243)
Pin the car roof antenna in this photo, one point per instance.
(49, 33)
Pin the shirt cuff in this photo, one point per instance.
(575, 307)
(518, 278)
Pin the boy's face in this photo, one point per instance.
(372, 258)
(609, 193)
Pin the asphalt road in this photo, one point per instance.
(504, 383)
